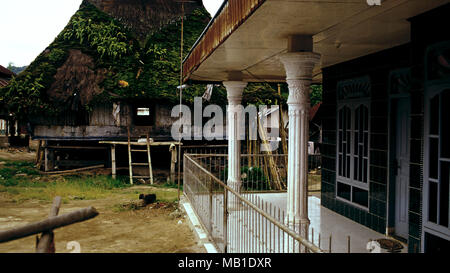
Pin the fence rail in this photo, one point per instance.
(259, 172)
(238, 222)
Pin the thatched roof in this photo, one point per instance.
(76, 81)
(145, 16)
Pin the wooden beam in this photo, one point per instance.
(79, 163)
(48, 224)
(139, 143)
(76, 147)
(74, 170)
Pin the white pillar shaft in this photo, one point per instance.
(299, 68)
(234, 145)
(234, 93)
(298, 157)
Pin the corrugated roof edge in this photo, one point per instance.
(188, 68)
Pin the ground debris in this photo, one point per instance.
(133, 205)
(176, 214)
(147, 198)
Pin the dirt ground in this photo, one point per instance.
(17, 154)
(158, 228)
(149, 230)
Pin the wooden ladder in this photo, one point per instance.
(130, 161)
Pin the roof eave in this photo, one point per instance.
(228, 18)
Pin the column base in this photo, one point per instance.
(301, 227)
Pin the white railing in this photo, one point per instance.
(249, 224)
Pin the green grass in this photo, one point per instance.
(20, 181)
(170, 185)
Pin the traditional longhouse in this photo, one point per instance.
(113, 69)
(5, 76)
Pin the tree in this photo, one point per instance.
(316, 94)
(15, 69)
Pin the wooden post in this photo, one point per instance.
(40, 155)
(179, 170)
(113, 161)
(48, 224)
(50, 159)
(173, 161)
(150, 170)
(38, 152)
(129, 157)
(46, 168)
(46, 242)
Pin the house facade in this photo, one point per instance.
(384, 152)
(10, 129)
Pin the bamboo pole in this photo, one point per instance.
(181, 94)
(48, 224)
(283, 133)
(129, 157)
(269, 159)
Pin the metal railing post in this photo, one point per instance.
(225, 220)
(185, 181)
(211, 220)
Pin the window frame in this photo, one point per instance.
(353, 104)
(144, 120)
(428, 226)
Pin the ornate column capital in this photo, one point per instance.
(299, 71)
(234, 91)
(299, 65)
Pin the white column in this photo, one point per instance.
(299, 68)
(234, 94)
